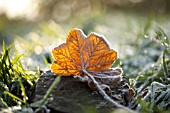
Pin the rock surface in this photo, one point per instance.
(71, 96)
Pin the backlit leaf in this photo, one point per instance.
(81, 52)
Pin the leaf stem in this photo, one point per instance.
(102, 92)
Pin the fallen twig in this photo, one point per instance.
(102, 92)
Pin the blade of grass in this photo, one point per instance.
(152, 96)
(3, 47)
(162, 37)
(167, 39)
(3, 102)
(5, 68)
(17, 58)
(148, 24)
(116, 63)
(45, 61)
(23, 91)
(54, 84)
(165, 65)
(13, 96)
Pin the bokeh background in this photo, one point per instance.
(37, 26)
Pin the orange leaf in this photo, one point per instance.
(80, 52)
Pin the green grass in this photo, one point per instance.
(148, 73)
(17, 85)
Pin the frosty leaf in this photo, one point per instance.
(110, 77)
(92, 56)
(80, 52)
